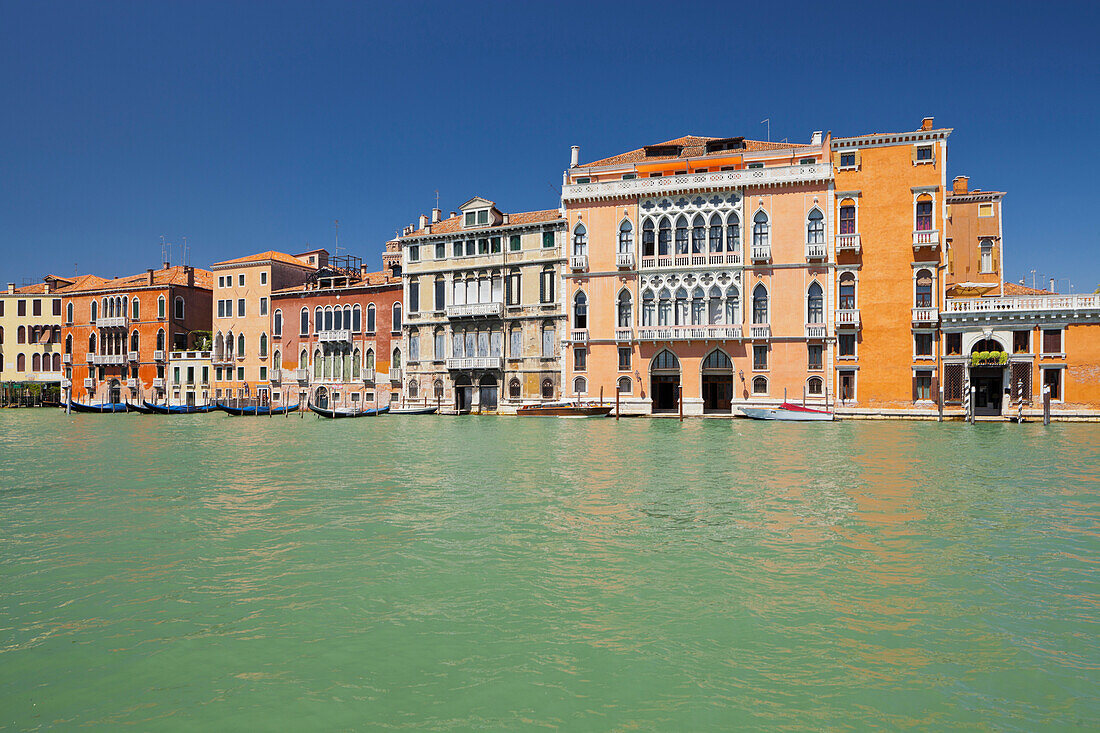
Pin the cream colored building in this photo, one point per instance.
(482, 303)
(30, 333)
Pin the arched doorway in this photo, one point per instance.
(464, 393)
(665, 381)
(114, 391)
(987, 376)
(717, 382)
(488, 393)
(321, 398)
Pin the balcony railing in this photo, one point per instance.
(624, 260)
(90, 357)
(395, 375)
(275, 376)
(158, 383)
(815, 250)
(89, 383)
(340, 335)
(476, 362)
(689, 333)
(579, 335)
(624, 335)
(578, 263)
(301, 375)
(132, 384)
(608, 190)
(692, 260)
(158, 355)
(760, 331)
(112, 322)
(131, 356)
(926, 238)
(761, 252)
(847, 317)
(473, 310)
(109, 359)
(847, 243)
(1024, 304)
(926, 315)
(66, 358)
(815, 330)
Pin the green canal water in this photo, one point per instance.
(208, 572)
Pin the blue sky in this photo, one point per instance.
(249, 126)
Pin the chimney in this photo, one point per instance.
(454, 214)
(926, 123)
(437, 214)
(504, 219)
(149, 276)
(190, 275)
(11, 288)
(46, 287)
(1051, 288)
(574, 156)
(959, 185)
(815, 139)
(422, 221)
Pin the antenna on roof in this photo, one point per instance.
(186, 257)
(336, 252)
(437, 198)
(768, 122)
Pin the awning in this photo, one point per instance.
(969, 289)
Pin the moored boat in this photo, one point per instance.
(565, 409)
(789, 412)
(337, 413)
(256, 410)
(101, 408)
(414, 410)
(140, 409)
(178, 409)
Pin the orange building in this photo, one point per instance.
(117, 332)
(699, 273)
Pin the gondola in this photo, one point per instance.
(414, 411)
(256, 410)
(140, 409)
(101, 408)
(178, 409)
(564, 409)
(336, 414)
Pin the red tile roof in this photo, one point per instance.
(1017, 289)
(269, 255)
(694, 147)
(454, 224)
(174, 275)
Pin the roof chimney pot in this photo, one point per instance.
(815, 139)
(1051, 285)
(960, 185)
(11, 288)
(574, 156)
(422, 221)
(926, 123)
(437, 214)
(149, 276)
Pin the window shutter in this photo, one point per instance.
(935, 388)
(542, 287)
(913, 153)
(859, 158)
(836, 159)
(914, 388)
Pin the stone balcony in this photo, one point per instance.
(476, 362)
(132, 384)
(761, 252)
(848, 243)
(275, 376)
(712, 259)
(158, 383)
(689, 333)
(684, 182)
(624, 335)
(338, 335)
(158, 355)
(760, 331)
(816, 331)
(395, 375)
(109, 359)
(578, 263)
(815, 251)
(927, 238)
(112, 322)
(131, 356)
(928, 316)
(301, 375)
(579, 335)
(89, 383)
(624, 260)
(847, 317)
(476, 310)
(66, 358)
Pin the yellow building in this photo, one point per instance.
(30, 334)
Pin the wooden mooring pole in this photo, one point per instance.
(616, 400)
(939, 403)
(1046, 404)
(680, 400)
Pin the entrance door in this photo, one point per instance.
(988, 390)
(322, 398)
(190, 399)
(664, 389)
(717, 392)
(114, 391)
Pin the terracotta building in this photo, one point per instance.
(117, 333)
(30, 334)
(336, 337)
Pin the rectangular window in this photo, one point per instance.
(440, 253)
(813, 360)
(754, 166)
(922, 385)
(240, 280)
(987, 257)
(624, 358)
(580, 359)
(848, 160)
(221, 281)
(547, 239)
(515, 343)
(240, 307)
(846, 344)
(922, 344)
(483, 216)
(206, 375)
(176, 375)
(263, 373)
(1052, 341)
(1052, 379)
(218, 373)
(240, 374)
(471, 218)
(924, 153)
(548, 342)
(263, 278)
(440, 294)
(414, 297)
(985, 210)
(483, 246)
(806, 161)
(471, 246)
(760, 357)
(655, 175)
(21, 308)
(414, 253)
(56, 307)
(546, 286)
(513, 243)
(924, 216)
(36, 307)
(629, 176)
(583, 180)
(1021, 342)
(954, 344)
(494, 245)
(263, 306)
(457, 249)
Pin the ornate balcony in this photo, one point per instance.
(112, 322)
(475, 310)
(66, 358)
(624, 260)
(689, 333)
(848, 243)
(110, 359)
(90, 357)
(275, 376)
(158, 355)
(395, 375)
(158, 383)
(761, 252)
(760, 331)
(578, 263)
(301, 376)
(929, 316)
(89, 383)
(665, 262)
(815, 330)
(476, 362)
(579, 335)
(340, 335)
(815, 250)
(624, 335)
(927, 238)
(847, 317)
(666, 185)
(132, 356)
(132, 385)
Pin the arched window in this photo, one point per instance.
(760, 229)
(624, 308)
(681, 235)
(57, 362)
(370, 318)
(318, 319)
(303, 322)
(847, 300)
(924, 288)
(718, 361)
(924, 213)
(580, 240)
(664, 308)
(714, 305)
(847, 217)
(759, 385)
(135, 307)
(277, 323)
(69, 312)
(626, 238)
(664, 238)
(21, 335)
(547, 389)
(648, 244)
(815, 227)
(95, 311)
(396, 328)
(160, 307)
(698, 235)
(513, 389)
(36, 362)
(135, 341)
(760, 304)
(178, 308)
(395, 363)
(649, 308)
(263, 344)
(624, 385)
(814, 385)
(580, 310)
(338, 318)
(230, 345)
(357, 318)
(356, 364)
(161, 339)
(328, 318)
(303, 360)
(276, 359)
(437, 388)
(68, 342)
(219, 346)
(698, 307)
(733, 232)
(715, 233)
(815, 304)
(681, 307)
(580, 385)
(414, 389)
(318, 364)
(109, 307)
(240, 344)
(665, 361)
(91, 343)
(21, 363)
